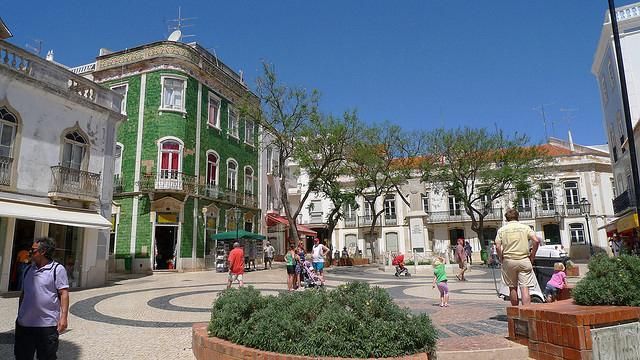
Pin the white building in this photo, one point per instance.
(433, 220)
(604, 68)
(56, 165)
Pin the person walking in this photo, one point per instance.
(467, 252)
(290, 260)
(319, 252)
(43, 304)
(236, 265)
(616, 245)
(440, 280)
(461, 260)
(512, 245)
(268, 255)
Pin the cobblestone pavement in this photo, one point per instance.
(151, 316)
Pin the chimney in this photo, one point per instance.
(49, 56)
(571, 142)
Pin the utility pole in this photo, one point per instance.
(625, 104)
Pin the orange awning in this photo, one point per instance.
(305, 230)
(273, 219)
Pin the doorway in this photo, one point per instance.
(551, 234)
(23, 237)
(166, 240)
(454, 235)
(489, 236)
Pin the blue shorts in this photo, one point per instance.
(318, 266)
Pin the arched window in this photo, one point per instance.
(170, 159)
(74, 151)
(576, 232)
(212, 168)
(8, 124)
(232, 175)
(248, 180)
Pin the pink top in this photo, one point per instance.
(557, 280)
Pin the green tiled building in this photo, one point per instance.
(187, 163)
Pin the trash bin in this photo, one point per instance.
(484, 256)
(546, 257)
(127, 263)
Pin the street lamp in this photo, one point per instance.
(585, 209)
(237, 212)
(557, 217)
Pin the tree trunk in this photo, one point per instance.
(284, 198)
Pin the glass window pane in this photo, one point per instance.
(6, 135)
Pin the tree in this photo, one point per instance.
(321, 152)
(379, 163)
(283, 113)
(478, 166)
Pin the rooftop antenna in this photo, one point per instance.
(179, 24)
(540, 109)
(37, 48)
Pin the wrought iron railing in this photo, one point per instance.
(549, 210)
(118, 186)
(366, 220)
(525, 212)
(573, 209)
(390, 220)
(5, 170)
(459, 215)
(250, 200)
(65, 180)
(316, 217)
(624, 201)
(211, 191)
(169, 181)
(350, 221)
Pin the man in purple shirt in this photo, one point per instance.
(44, 304)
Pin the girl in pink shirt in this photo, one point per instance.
(558, 281)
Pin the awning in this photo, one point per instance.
(53, 214)
(273, 219)
(240, 234)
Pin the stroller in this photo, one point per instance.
(309, 277)
(401, 270)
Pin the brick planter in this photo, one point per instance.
(207, 348)
(562, 330)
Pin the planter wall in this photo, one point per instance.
(208, 348)
(562, 330)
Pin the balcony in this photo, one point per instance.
(168, 181)
(67, 183)
(364, 221)
(350, 221)
(390, 220)
(118, 186)
(461, 216)
(525, 212)
(624, 201)
(211, 191)
(573, 209)
(5, 170)
(549, 210)
(250, 200)
(316, 217)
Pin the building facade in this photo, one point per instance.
(433, 220)
(57, 142)
(605, 69)
(186, 161)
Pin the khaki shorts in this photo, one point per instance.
(234, 277)
(518, 273)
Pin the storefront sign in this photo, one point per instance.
(627, 223)
(620, 342)
(163, 218)
(417, 232)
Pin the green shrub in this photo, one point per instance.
(610, 281)
(420, 262)
(354, 320)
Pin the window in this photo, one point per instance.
(212, 169)
(603, 90)
(248, 180)
(524, 202)
(349, 212)
(425, 202)
(269, 160)
(270, 203)
(621, 129)
(612, 77)
(613, 188)
(485, 202)
(173, 91)
(74, 150)
(368, 211)
(248, 132)
(576, 232)
(390, 207)
(546, 197)
(170, 159)
(117, 162)
(122, 90)
(233, 123)
(454, 206)
(572, 196)
(8, 124)
(214, 111)
(232, 175)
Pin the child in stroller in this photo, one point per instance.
(309, 277)
(398, 262)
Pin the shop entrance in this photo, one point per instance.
(166, 240)
(551, 234)
(22, 239)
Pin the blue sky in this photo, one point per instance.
(419, 63)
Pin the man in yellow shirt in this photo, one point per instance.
(512, 245)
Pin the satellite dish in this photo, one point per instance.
(175, 36)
